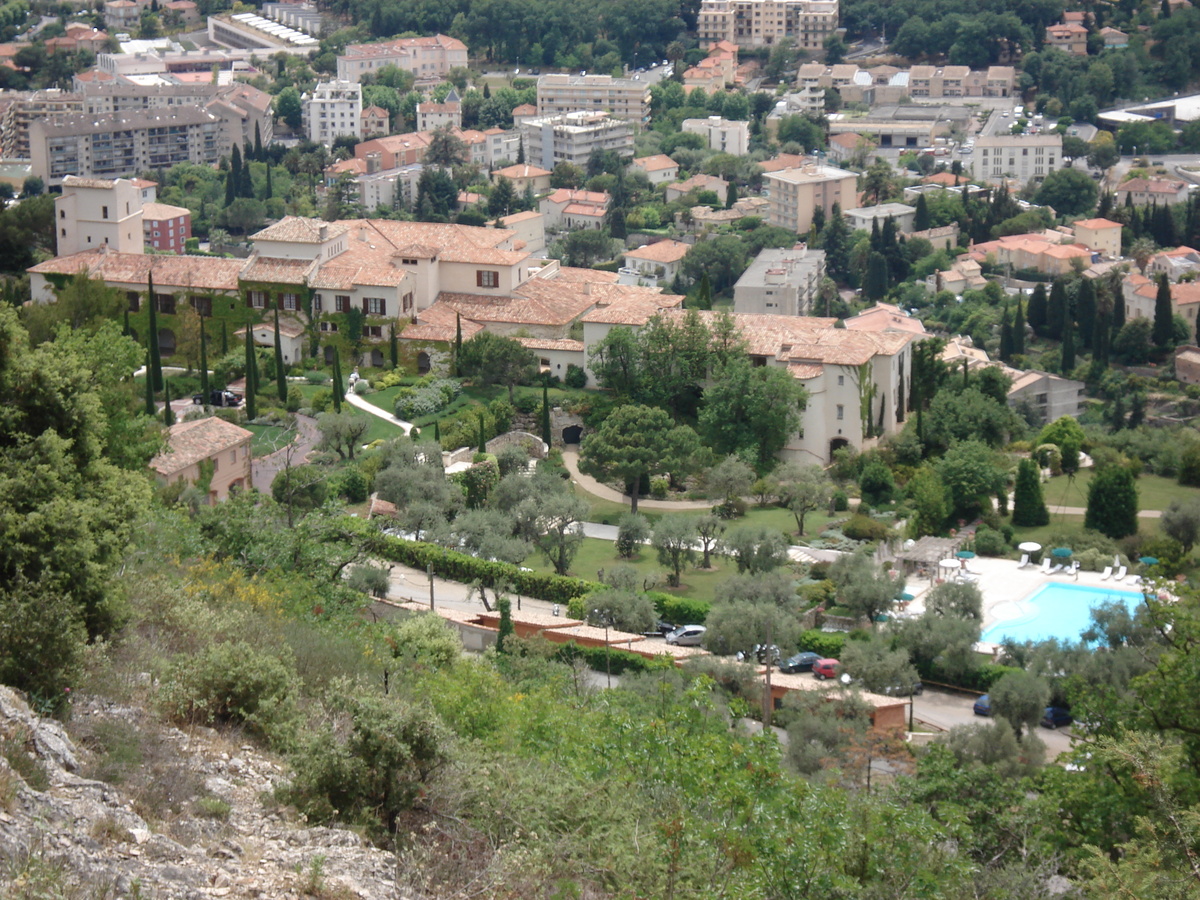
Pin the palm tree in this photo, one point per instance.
(1141, 250)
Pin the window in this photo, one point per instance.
(258, 299)
(165, 303)
(64, 232)
(233, 455)
(408, 302)
(841, 412)
(202, 305)
(486, 278)
(62, 213)
(104, 212)
(841, 380)
(341, 303)
(329, 327)
(316, 303)
(375, 331)
(135, 300)
(375, 306)
(291, 301)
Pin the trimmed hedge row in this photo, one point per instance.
(828, 643)
(616, 661)
(679, 610)
(465, 568)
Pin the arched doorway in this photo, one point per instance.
(166, 341)
(572, 434)
(423, 364)
(837, 444)
(377, 358)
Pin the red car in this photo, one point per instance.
(826, 668)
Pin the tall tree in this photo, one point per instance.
(339, 388)
(280, 369)
(921, 221)
(1057, 313)
(546, 436)
(1164, 314)
(1006, 336)
(458, 345)
(1037, 310)
(393, 348)
(168, 413)
(1068, 348)
(224, 339)
(156, 375)
(633, 443)
(251, 392)
(1112, 505)
(1029, 508)
(258, 144)
(204, 385)
(1018, 329)
(877, 281)
(497, 360)
(1085, 312)
(151, 408)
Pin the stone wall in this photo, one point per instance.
(530, 443)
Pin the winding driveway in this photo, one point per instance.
(604, 492)
(265, 468)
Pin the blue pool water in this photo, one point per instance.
(1054, 611)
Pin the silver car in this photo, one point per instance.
(687, 635)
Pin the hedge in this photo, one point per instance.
(618, 662)
(457, 566)
(679, 610)
(980, 679)
(828, 643)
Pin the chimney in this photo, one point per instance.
(362, 235)
(323, 232)
(374, 162)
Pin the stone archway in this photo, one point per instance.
(572, 434)
(423, 363)
(837, 444)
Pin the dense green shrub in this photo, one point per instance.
(841, 502)
(820, 593)
(876, 483)
(679, 610)
(828, 643)
(864, 528)
(989, 542)
(351, 485)
(612, 660)
(576, 377)
(426, 399)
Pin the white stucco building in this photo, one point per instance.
(333, 109)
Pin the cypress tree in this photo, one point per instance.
(731, 195)
(1118, 312)
(245, 182)
(1085, 312)
(921, 220)
(280, 374)
(1018, 329)
(231, 176)
(1029, 507)
(168, 415)
(258, 147)
(150, 408)
(1068, 348)
(1006, 336)
(437, 432)
(270, 189)
(339, 392)
(482, 435)
(224, 339)
(546, 415)
(876, 287)
(152, 338)
(1163, 315)
(704, 293)
(520, 149)
(1056, 310)
(251, 392)
(1037, 310)
(393, 347)
(457, 344)
(1116, 415)
(204, 388)
(1137, 409)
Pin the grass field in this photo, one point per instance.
(1154, 491)
(379, 430)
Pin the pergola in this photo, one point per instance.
(927, 553)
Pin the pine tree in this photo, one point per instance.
(1137, 409)
(1085, 311)
(251, 392)
(1163, 315)
(1029, 507)
(1037, 309)
(546, 415)
(152, 338)
(204, 387)
(1056, 310)
(280, 371)
(151, 409)
(1018, 329)
(1068, 348)
(703, 295)
(921, 220)
(457, 343)
(393, 347)
(168, 413)
(339, 390)
(258, 147)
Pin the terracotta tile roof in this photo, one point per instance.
(885, 317)
(143, 183)
(299, 230)
(525, 109)
(190, 442)
(663, 252)
(634, 310)
(594, 634)
(287, 327)
(439, 323)
(1151, 186)
(80, 182)
(564, 195)
(946, 179)
(177, 272)
(521, 171)
(1097, 223)
(401, 45)
(656, 163)
(583, 209)
(156, 212)
(386, 240)
(805, 371)
(566, 274)
(525, 216)
(278, 271)
(699, 182)
(375, 112)
(781, 161)
(354, 166)
(513, 310)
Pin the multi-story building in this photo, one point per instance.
(762, 23)
(780, 282)
(375, 120)
(124, 144)
(334, 109)
(94, 212)
(1146, 191)
(866, 217)
(566, 209)
(166, 228)
(716, 70)
(1020, 157)
(722, 135)
(48, 104)
(436, 115)
(794, 195)
(658, 169)
(572, 137)
(122, 16)
(430, 59)
(199, 443)
(1070, 37)
(620, 97)
(652, 263)
(888, 84)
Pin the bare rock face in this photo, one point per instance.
(168, 814)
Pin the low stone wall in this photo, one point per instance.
(530, 443)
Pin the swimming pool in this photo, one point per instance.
(1053, 611)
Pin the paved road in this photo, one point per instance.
(946, 709)
(604, 492)
(267, 467)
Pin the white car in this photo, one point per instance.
(687, 635)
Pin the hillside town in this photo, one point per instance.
(727, 448)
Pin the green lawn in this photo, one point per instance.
(596, 554)
(1154, 491)
(268, 438)
(379, 430)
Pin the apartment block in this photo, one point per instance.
(620, 97)
(572, 137)
(722, 135)
(48, 104)
(124, 144)
(780, 282)
(333, 109)
(430, 59)
(888, 84)
(794, 195)
(165, 227)
(1070, 37)
(762, 23)
(1020, 157)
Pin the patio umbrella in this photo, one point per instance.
(1029, 546)
(949, 564)
(905, 597)
(965, 554)
(1061, 552)
(1148, 561)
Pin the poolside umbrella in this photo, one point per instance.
(1061, 552)
(1029, 546)
(906, 597)
(1148, 561)
(949, 564)
(965, 554)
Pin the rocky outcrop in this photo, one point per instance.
(194, 819)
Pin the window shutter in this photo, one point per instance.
(383, 307)
(366, 305)
(478, 278)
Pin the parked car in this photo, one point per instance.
(910, 689)
(801, 662)
(763, 654)
(687, 635)
(1056, 717)
(826, 668)
(983, 706)
(218, 398)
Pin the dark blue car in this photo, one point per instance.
(1056, 717)
(983, 706)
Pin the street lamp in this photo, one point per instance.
(605, 619)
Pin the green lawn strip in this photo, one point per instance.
(597, 554)
(472, 396)
(1064, 523)
(1154, 491)
(379, 430)
(268, 438)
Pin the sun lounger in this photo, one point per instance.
(1056, 569)
(1046, 566)
(1120, 576)
(1107, 574)
(1024, 561)
(1136, 579)
(969, 577)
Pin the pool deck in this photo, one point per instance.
(1001, 582)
